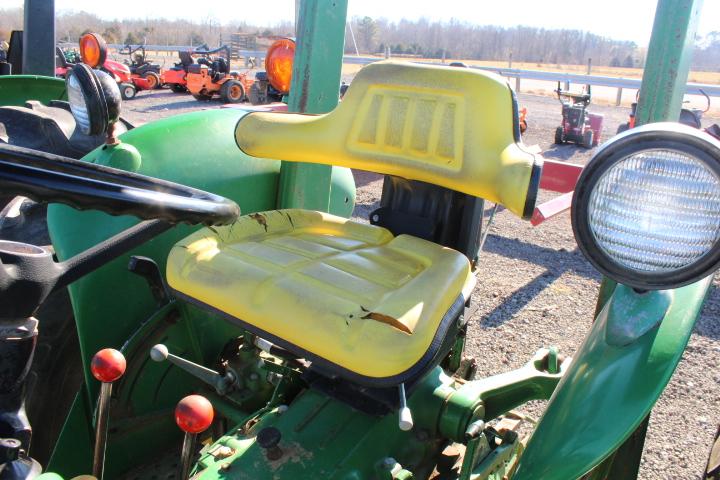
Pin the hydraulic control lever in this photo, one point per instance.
(194, 414)
(221, 383)
(107, 366)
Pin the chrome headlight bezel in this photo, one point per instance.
(658, 136)
(99, 99)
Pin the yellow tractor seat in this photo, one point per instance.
(357, 301)
(354, 299)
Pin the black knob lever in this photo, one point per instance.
(268, 438)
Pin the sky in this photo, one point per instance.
(619, 19)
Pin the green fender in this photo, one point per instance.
(614, 380)
(15, 90)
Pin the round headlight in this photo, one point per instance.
(94, 99)
(646, 209)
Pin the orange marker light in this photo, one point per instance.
(279, 64)
(93, 50)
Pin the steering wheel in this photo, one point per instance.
(45, 177)
(28, 274)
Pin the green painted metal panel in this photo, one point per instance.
(315, 89)
(15, 90)
(609, 389)
(325, 438)
(668, 60)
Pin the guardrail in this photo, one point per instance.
(594, 80)
(567, 78)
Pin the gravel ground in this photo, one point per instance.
(546, 295)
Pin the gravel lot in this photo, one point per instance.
(545, 295)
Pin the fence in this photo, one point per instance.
(518, 74)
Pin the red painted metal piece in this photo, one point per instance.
(194, 414)
(174, 76)
(559, 177)
(141, 83)
(551, 208)
(596, 124)
(108, 365)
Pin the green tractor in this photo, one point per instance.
(290, 342)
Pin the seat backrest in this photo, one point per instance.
(457, 128)
(185, 59)
(60, 60)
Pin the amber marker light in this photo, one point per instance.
(93, 50)
(279, 64)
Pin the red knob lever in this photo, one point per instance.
(108, 365)
(193, 414)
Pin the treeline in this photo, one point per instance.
(453, 39)
(208, 30)
(460, 40)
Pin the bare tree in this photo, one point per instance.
(422, 37)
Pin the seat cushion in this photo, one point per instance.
(350, 297)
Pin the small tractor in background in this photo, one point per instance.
(689, 116)
(140, 67)
(176, 77)
(578, 125)
(211, 76)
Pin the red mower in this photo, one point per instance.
(129, 84)
(139, 65)
(578, 125)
